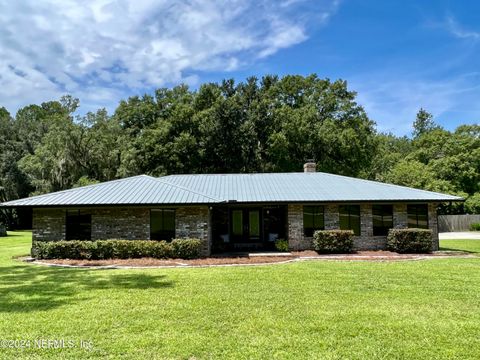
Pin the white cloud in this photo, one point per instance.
(457, 30)
(104, 50)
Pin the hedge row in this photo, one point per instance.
(117, 249)
(333, 241)
(410, 240)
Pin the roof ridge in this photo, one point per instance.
(187, 189)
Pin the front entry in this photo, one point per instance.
(247, 228)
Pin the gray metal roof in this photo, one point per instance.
(219, 188)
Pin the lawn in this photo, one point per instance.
(319, 309)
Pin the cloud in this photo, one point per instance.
(103, 50)
(456, 29)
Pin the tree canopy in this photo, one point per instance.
(271, 124)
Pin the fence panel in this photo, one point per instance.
(448, 223)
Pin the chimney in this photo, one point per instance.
(309, 166)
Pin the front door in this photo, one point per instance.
(246, 229)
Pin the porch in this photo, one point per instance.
(247, 228)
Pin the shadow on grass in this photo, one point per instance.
(458, 250)
(32, 288)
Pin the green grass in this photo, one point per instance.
(471, 246)
(319, 309)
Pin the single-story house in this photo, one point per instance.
(231, 212)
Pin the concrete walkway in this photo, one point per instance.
(473, 235)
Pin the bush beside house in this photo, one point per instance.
(3, 230)
(117, 249)
(333, 241)
(410, 240)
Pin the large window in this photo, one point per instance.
(417, 216)
(162, 224)
(382, 219)
(312, 219)
(78, 225)
(350, 218)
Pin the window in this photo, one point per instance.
(417, 216)
(162, 224)
(382, 219)
(312, 219)
(78, 225)
(350, 218)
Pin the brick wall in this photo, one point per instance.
(123, 223)
(120, 223)
(48, 224)
(366, 240)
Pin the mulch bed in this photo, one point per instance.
(173, 262)
(247, 260)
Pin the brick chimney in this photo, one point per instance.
(309, 166)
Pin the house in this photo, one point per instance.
(231, 212)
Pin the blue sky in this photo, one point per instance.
(399, 56)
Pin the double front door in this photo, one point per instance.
(246, 226)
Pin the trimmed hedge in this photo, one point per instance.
(475, 227)
(333, 241)
(410, 240)
(116, 249)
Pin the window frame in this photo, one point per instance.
(308, 232)
(350, 215)
(167, 235)
(383, 229)
(73, 229)
(416, 214)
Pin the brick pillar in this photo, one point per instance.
(433, 224)
(296, 240)
(194, 222)
(366, 220)
(400, 216)
(332, 218)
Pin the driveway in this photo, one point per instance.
(475, 235)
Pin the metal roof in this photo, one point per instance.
(242, 188)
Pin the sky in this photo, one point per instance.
(398, 56)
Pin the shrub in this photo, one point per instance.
(410, 240)
(281, 245)
(186, 248)
(116, 249)
(333, 241)
(475, 227)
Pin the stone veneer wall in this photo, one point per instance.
(366, 240)
(120, 223)
(48, 224)
(193, 222)
(124, 223)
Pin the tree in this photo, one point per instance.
(423, 123)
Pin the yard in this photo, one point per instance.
(317, 309)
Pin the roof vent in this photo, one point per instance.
(309, 166)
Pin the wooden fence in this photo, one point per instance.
(448, 223)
